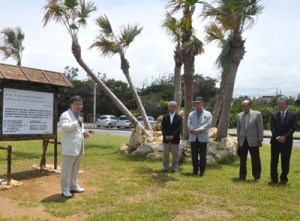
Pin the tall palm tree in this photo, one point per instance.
(172, 26)
(110, 44)
(190, 47)
(73, 15)
(234, 16)
(12, 44)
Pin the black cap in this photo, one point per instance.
(198, 99)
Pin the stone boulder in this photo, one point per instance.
(156, 156)
(136, 138)
(142, 151)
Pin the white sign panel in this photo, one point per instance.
(27, 112)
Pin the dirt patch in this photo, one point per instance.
(203, 212)
(28, 200)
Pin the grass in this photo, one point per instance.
(128, 188)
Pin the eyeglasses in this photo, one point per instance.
(78, 104)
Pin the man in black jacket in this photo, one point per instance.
(171, 128)
(283, 125)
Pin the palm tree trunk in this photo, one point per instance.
(125, 68)
(237, 52)
(226, 108)
(219, 101)
(177, 77)
(188, 94)
(76, 50)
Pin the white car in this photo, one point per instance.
(151, 120)
(107, 121)
(123, 122)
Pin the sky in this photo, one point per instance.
(271, 64)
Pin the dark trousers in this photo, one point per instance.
(255, 160)
(285, 150)
(198, 151)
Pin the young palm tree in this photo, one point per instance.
(190, 47)
(234, 16)
(110, 44)
(172, 26)
(73, 15)
(12, 44)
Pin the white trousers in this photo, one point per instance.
(69, 172)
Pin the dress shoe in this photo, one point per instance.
(77, 190)
(282, 182)
(272, 182)
(66, 194)
(202, 174)
(175, 171)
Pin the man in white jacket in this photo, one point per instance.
(72, 146)
(199, 122)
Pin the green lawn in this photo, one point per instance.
(126, 188)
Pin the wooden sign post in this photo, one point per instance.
(29, 106)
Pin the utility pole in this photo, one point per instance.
(95, 100)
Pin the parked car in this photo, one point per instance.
(123, 122)
(151, 120)
(107, 121)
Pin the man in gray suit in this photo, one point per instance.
(199, 122)
(250, 130)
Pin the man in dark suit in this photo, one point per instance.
(283, 125)
(171, 127)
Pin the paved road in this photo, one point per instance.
(127, 132)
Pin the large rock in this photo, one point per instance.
(124, 149)
(136, 138)
(142, 151)
(156, 156)
(221, 151)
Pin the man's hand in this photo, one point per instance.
(169, 137)
(196, 131)
(281, 139)
(80, 120)
(86, 135)
(260, 144)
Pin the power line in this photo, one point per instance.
(263, 79)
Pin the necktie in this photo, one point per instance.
(282, 118)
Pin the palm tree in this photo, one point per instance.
(73, 15)
(215, 33)
(234, 16)
(110, 44)
(190, 47)
(172, 26)
(12, 39)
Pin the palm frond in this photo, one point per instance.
(53, 11)
(194, 45)
(223, 60)
(214, 33)
(85, 10)
(172, 27)
(104, 25)
(71, 3)
(6, 51)
(128, 34)
(106, 47)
